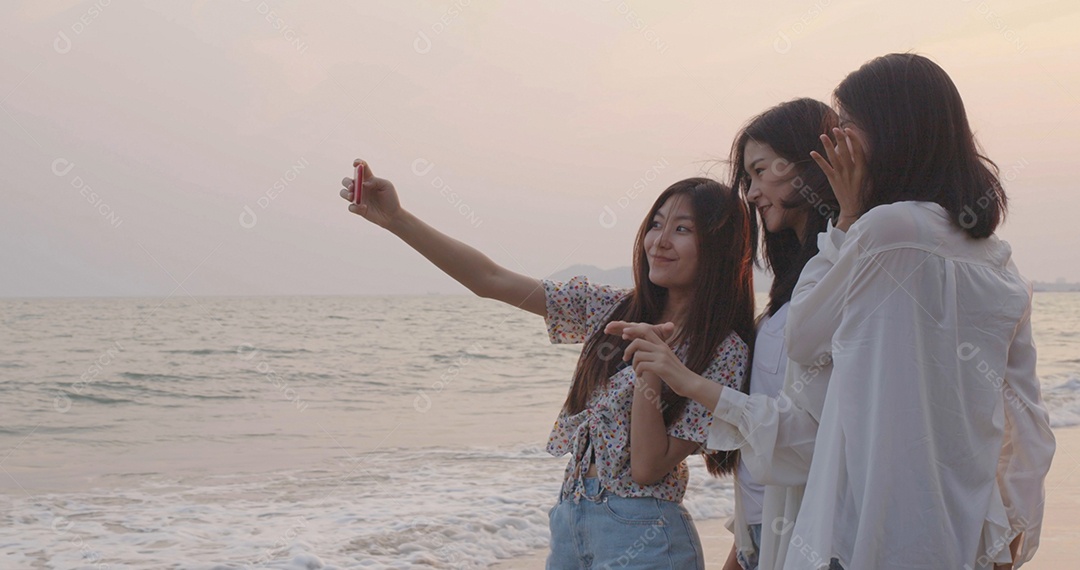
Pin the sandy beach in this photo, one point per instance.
(1060, 543)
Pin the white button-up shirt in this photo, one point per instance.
(933, 444)
(775, 435)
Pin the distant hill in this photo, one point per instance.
(619, 276)
(1057, 286)
(623, 276)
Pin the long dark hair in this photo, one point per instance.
(921, 145)
(791, 129)
(722, 301)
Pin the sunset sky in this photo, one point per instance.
(197, 148)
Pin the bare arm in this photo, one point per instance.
(467, 265)
(732, 562)
(653, 453)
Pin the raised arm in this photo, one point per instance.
(817, 301)
(467, 265)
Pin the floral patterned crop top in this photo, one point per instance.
(601, 432)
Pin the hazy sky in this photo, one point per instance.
(145, 144)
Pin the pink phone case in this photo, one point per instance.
(358, 182)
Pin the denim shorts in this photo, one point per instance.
(608, 532)
(751, 562)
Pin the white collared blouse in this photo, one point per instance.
(933, 444)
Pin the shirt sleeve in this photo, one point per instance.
(728, 368)
(774, 436)
(818, 298)
(576, 308)
(1028, 445)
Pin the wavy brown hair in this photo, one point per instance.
(722, 301)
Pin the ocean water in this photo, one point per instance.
(307, 432)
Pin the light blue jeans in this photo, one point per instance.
(608, 532)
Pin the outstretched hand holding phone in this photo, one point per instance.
(378, 200)
(378, 203)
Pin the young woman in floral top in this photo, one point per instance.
(794, 203)
(620, 505)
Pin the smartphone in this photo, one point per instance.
(358, 182)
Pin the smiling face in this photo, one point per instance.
(671, 245)
(771, 183)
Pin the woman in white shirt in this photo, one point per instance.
(794, 202)
(934, 443)
(793, 199)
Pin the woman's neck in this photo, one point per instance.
(800, 229)
(675, 307)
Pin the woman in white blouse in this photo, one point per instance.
(793, 199)
(940, 444)
(933, 444)
(794, 202)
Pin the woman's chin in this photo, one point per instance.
(666, 282)
(774, 227)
